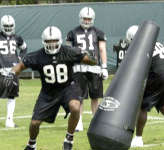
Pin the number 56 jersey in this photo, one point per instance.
(8, 50)
(55, 70)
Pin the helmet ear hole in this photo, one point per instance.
(8, 25)
(52, 40)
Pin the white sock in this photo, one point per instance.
(80, 119)
(10, 108)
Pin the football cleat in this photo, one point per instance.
(30, 148)
(67, 145)
(10, 124)
(137, 142)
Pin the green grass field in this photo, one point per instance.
(52, 135)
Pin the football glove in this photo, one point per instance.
(104, 71)
(9, 80)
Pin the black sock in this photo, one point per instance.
(69, 137)
(31, 142)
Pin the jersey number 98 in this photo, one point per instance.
(58, 74)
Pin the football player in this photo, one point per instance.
(87, 37)
(9, 56)
(123, 44)
(154, 91)
(55, 63)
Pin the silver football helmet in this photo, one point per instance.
(52, 40)
(130, 33)
(8, 25)
(86, 17)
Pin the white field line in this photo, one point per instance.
(29, 116)
(149, 145)
(155, 118)
(24, 128)
(152, 145)
(86, 112)
(155, 122)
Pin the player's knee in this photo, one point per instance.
(74, 106)
(35, 123)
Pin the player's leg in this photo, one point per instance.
(74, 107)
(82, 80)
(150, 100)
(94, 105)
(141, 122)
(95, 90)
(11, 104)
(10, 112)
(33, 133)
(71, 104)
(46, 109)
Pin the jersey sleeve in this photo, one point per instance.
(101, 35)
(30, 61)
(22, 46)
(21, 43)
(69, 36)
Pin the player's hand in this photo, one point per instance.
(104, 71)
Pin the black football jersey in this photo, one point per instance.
(87, 40)
(155, 80)
(157, 65)
(55, 70)
(8, 50)
(120, 50)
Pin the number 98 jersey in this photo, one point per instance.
(55, 70)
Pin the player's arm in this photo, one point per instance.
(23, 50)
(103, 54)
(22, 46)
(69, 39)
(18, 68)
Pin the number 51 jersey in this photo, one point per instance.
(87, 40)
(55, 70)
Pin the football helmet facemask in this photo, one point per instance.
(52, 40)
(86, 17)
(130, 33)
(8, 25)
